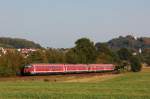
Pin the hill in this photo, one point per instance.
(7, 42)
(129, 42)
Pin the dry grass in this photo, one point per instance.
(146, 69)
(81, 86)
(92, 79)
(85, 77)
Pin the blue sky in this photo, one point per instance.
(59, 23)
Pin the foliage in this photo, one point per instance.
(103, 47)
(124, 54)
(37, 57)
(122, 67)
(17, 43)
(11, 63)
(124, 46)
(129, 42)
(128, 59)
(71, 56)
(83, 52)
(146, 56)
(136, 65)
(55, 55)
(104, 58)
(105, 54)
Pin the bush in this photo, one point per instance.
(10, 63)
(135, 64)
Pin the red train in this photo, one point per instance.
(34, 69)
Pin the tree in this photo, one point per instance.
(147, 60)
(103, 48)
(11, 63)
(55, 55)
(135, 64)
(83, 52)
(104, 58)
(37, 57)
(105, 54)
(146, 56)
(17, 43)
(124, 54)
(71, 56)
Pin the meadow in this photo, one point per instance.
(122, 86)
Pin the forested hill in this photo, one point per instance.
(129, 42)
(7, 42)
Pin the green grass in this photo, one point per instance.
(126, 86)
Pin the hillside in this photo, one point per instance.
(129, 42)
(17, 43)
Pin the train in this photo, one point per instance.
(35, 69)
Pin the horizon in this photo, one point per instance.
(58, 24)
(75, 40)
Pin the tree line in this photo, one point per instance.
(7, 42)
(84, 52)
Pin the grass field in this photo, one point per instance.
(124, 86)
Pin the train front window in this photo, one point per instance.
(28, 66)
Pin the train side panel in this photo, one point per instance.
(66, 68)
(48, 68)
(76, 68)
(101, 67)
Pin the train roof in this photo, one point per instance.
(43, 64)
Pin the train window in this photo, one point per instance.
(28, 66)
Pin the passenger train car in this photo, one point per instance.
(34, 69)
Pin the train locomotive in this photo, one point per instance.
(35, 69)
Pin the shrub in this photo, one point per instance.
(10, 63)
(135, 64)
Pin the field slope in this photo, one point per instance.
(124, 86)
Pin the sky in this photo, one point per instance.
(59, 23)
